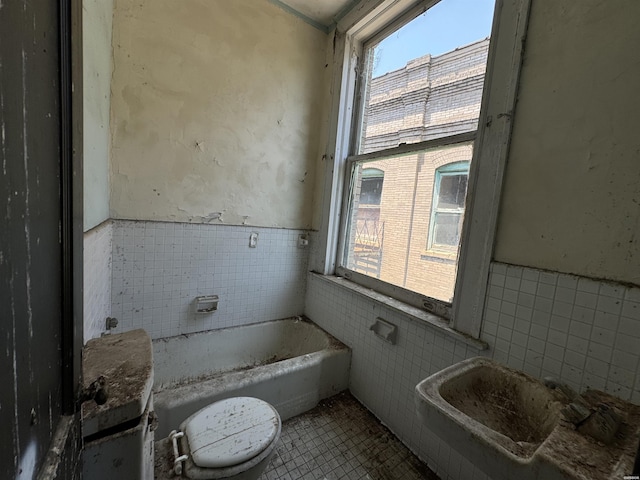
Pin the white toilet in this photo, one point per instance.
(229, 439)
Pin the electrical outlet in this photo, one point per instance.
(303, 240)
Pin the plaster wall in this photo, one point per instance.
(215, 112)
(96, 37)
(571, 200)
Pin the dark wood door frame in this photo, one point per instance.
(41, 232)
(72, 199)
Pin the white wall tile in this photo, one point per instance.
(498, 279)
(540, 315)
(588, 285)
(97, 245)
(629, 326)
(514, 271)
(499, 269)
(566, 281)
(565, 294)
(556, 337)
(548, 278)
(611, 290)
(512, 283)
(632, 294)
(574, 359)
(160, 268)
(551, 367)
(561, 308)
(546, 290)
(522, 325)
(572, 376)
(630, 309)
(529, 286)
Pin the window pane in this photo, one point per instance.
(453, 189)
(446, 229)
(425, 80)
(388, 240)
(371, 190)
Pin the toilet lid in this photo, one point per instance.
(231, 431)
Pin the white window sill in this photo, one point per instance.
(413, 313)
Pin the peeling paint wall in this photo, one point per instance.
(96, 37)
(571, 201)
(320, 192)
(215, 112)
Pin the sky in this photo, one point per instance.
(445, 26)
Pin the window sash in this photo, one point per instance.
(416, 299)
(446, 247)
(457, 168)
(411, 148)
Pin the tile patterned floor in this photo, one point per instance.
(340, 439)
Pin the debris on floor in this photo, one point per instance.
(337, 440)
(341, 439)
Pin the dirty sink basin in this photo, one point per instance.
(510, 425)
(496, 416)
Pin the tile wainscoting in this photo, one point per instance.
(159, 268)
(97, 279)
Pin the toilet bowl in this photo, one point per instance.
(229, 439)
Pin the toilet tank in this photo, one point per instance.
(118, 435)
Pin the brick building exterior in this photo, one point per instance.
(400, 236)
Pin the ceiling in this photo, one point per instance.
(323, 13)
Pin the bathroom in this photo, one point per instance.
(173, 169)
(182, 167)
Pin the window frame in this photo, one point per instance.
(374, 18)
(364, 50)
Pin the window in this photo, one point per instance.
(410, 143)
(368, 230)
(371, 188)
(447, 212)
(417, 114)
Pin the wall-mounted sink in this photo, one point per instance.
(510, 425)
(521, 411)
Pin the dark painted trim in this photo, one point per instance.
(71, 193)
(37, 161)
(77, 191)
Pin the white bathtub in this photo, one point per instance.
(291, 363)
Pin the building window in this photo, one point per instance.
(371, 189)
(447, 212)
(416, 121)
(368, 229)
